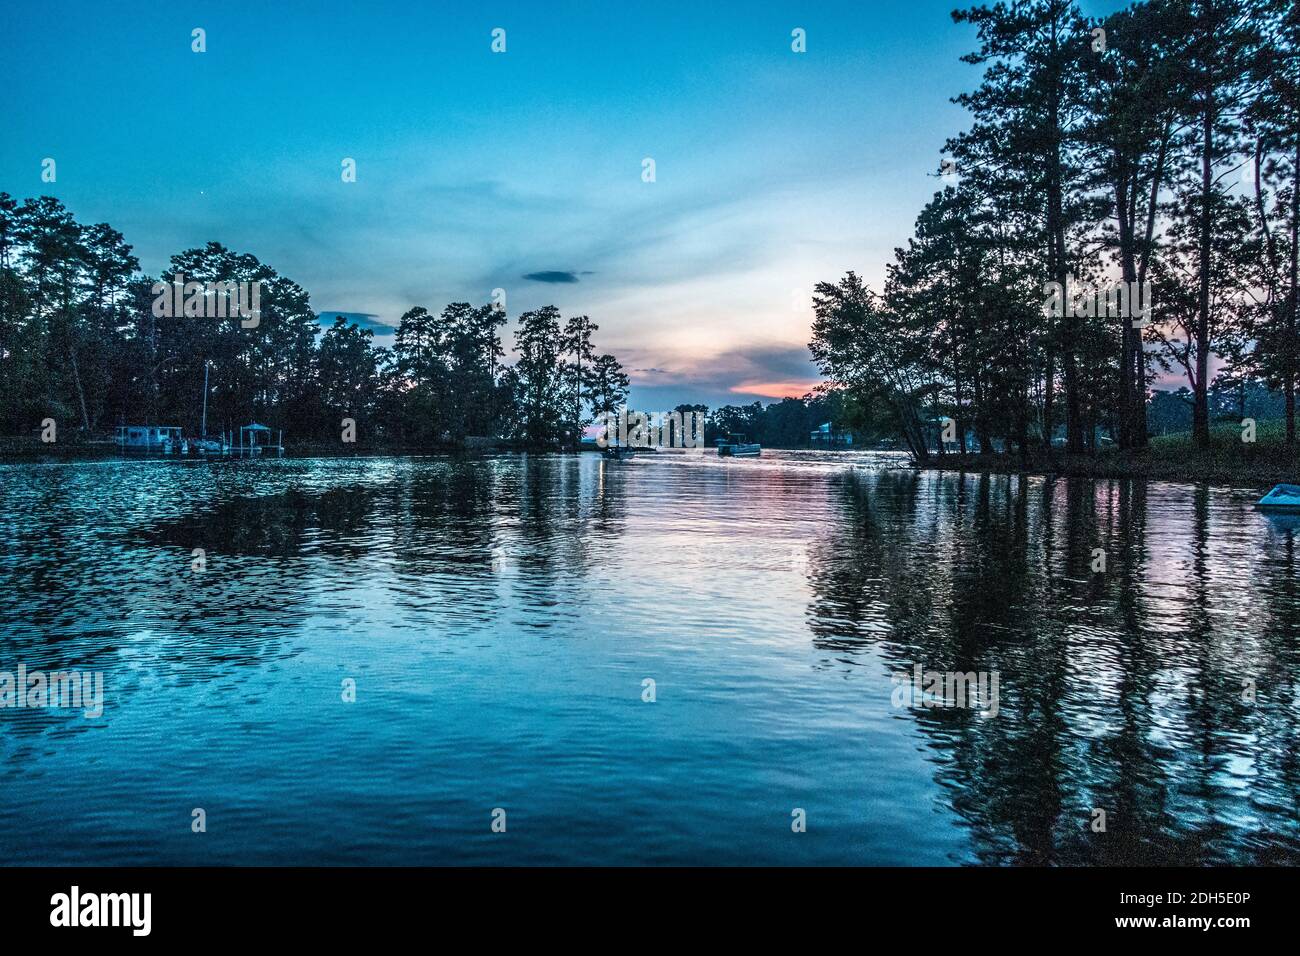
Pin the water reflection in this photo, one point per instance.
(501, 613)
(1120, 690)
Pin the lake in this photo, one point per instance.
(677, 659)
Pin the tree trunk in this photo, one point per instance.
(1201, 405)
(1057, 265)
(959, 420)
(1127, 398)
(577, 401)
(913, 433)
(81, 392)
(1022, 433)
(1139, 356)
(1056, 230)
(1049, 382)
(1295, 298)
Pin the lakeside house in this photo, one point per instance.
(826, 436)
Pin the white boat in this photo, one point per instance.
(211, 447)
(735, 446)
(254, 441)
(1282, 498)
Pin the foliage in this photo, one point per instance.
(82, 342)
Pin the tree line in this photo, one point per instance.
(1157, 148)
(82, 343)
(784, 424)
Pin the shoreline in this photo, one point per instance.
(1264, 465)
(1269, 467)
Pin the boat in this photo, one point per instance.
(735, 446)
(152, 439)
(1283, 497)
(211, 447)
(253, 441)
(618, 452)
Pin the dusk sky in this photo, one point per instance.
(521, 170)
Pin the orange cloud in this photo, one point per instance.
(774, 389)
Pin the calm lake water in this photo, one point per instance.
(500, 615)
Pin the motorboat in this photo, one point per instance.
(735, 446)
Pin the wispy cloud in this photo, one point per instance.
(775, 389)
(755, 370)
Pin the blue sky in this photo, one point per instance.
(774, 170)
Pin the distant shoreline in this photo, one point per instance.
(1255, 467)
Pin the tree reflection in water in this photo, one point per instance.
(1121, 690)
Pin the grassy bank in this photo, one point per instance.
(1174, 457)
